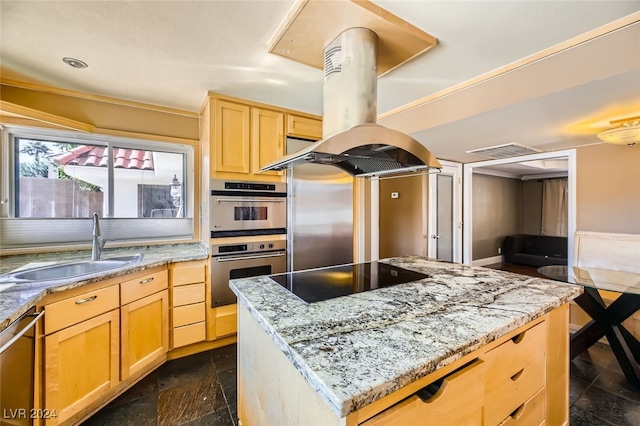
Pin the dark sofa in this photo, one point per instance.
(535, 250)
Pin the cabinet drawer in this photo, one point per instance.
(304, 127)
(226, 320)
(189, 334)
(531, 412)
(187, 294)
(507, 396)
(188, 314)
(71, 311)
(458, 401)
(187, 274)
(143, 286)
(512, 356)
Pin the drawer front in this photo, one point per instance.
(188, 294)
(512, 356)
(507, 396)
(304, 127)
(76, 309)
(189, 334)
(188, 314)
(458, 401)
(143, 286)
(226, 320)
(187, 274)
(531, 412)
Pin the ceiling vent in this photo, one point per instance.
(505, 151)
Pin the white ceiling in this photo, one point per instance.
(170, 53)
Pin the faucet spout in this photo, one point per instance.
(97, 242)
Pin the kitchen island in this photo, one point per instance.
(495, 336)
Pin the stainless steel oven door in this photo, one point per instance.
(230, 266)
(247, 215)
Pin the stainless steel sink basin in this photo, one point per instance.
(68, 270)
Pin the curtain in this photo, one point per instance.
(554, 207)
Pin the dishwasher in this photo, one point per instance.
(17, 359)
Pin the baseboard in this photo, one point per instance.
(487, 261)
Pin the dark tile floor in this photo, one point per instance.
(201, 390)
(196, 390)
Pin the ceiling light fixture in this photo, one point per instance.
(75, 63)
(627, 134)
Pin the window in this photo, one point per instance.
(69, 175)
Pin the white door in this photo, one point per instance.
(445, 213)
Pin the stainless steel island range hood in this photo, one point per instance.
(356, 144)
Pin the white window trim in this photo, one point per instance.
(26, 232)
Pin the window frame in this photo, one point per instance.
(122, 228)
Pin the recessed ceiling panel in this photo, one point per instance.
(312, 24)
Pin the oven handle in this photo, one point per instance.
(260, 256)
(21, 332)
(247, 200)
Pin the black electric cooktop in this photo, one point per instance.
(315, 285)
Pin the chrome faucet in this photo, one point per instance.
(97, 242)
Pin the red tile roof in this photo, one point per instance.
(96, 156)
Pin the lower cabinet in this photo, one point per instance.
(505, 385)
(226, 320)
(188, 308)
(456, 400)
(81, 365)
(99, 342)
(145, 333)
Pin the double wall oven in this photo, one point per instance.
(245, 209)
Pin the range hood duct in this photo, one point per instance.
(356, 143)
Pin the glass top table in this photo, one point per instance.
(607, 320)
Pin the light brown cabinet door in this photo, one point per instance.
(267, 139)
(231, 141)
(226, 320)
(81, 364)
(304, 127)
(145, 333)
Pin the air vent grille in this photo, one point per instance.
(332, 60)
(505, 151)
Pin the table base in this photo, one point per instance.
(607, 321)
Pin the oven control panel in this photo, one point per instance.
(252, 247)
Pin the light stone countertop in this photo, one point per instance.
(356, 349)
(18, 298)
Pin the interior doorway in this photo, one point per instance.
(445, 213)
(539, 166)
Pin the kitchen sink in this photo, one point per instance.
(75, 269)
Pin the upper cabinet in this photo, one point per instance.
(231, 138)
(267, 139)
(241, 137)
(304, 127)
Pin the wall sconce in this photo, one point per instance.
(176, 194)
(627, 134)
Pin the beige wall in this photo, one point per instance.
(401, 230)
(104, 113)
(532, 207)
(608, 188)
(497, 211)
